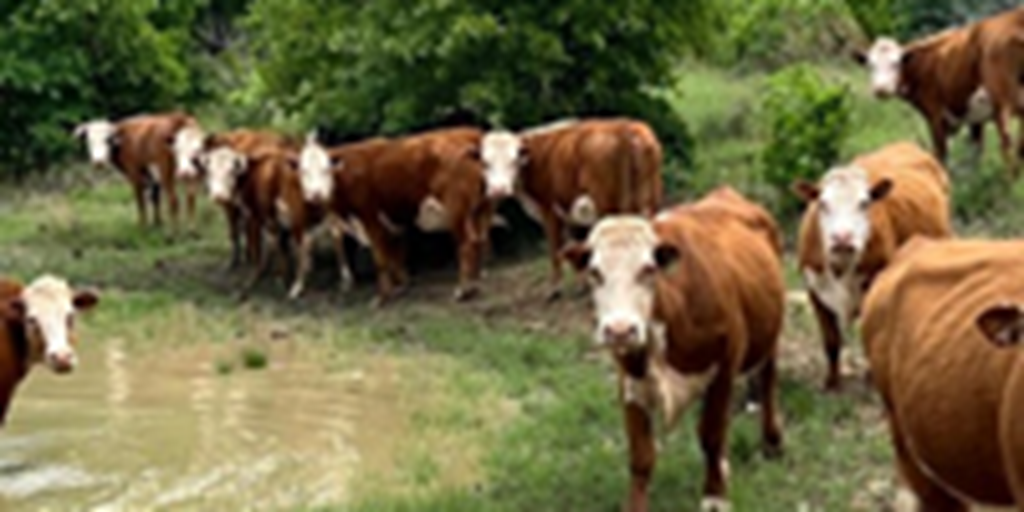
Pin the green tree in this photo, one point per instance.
(63, 62)
(391, 65)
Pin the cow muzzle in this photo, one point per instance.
(498, 192)
(61, 362)
(621, 334)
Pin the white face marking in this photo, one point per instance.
(223, 167)
(622, 276)
(99, 139)
(843, 214)
(501, 152)
(884, 61)
(49, 308)
(187, 145)
(315, 173)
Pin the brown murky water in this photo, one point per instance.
(146, 430)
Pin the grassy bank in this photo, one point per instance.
(506, 408)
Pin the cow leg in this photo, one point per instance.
(1006, 141)
(140, 202)
(254, 231)
(833, 341)
(383, 255)
(771, 433)
(191, 190)
(713, 429)
(976, 133)
(345, 276)
(937, 129)
(930, 495)
(154, 197)
(304, 246)
(231, 214)
(285, 262)
(553, 233)
(467, 240)
(172, 203)
(642, 454)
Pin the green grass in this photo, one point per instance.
(507, 408)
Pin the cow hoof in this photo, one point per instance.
(463, 294)
(833, 387)
(295, 292)
(714, 504)
(554, 294)
(772, 451)
(241, 296)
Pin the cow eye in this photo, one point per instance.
(864, 204)
(595, 277)
(823, 207)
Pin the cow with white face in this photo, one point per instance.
(844, 200)
(100, 138)
(685, 303)
(884, 61)
(503, 155)
(316, 171)
(856, 219)
(46, 309)
(223, 167)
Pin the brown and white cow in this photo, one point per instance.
(223, 159)
(933, 325)
(155, 152)
(37, 326)
(685, 303)
(965, 75)
(431, 181)
(573, 173)
(254, 176)
(856, 218)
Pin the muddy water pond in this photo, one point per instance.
(164, 429)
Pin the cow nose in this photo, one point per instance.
(61, 362)
(842, 241)
(500, 191)
(620, 332)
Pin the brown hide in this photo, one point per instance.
(144, 141)
(14, 349)
(918, 204)
(953, 400)
(383, 183)
(617, 162)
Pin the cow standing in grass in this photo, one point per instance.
(856, 218)
(684, 304)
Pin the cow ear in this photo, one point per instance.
(524, 155)
(85, 300)
(1001, 324)
(337, 163)
(859, 56)
(473, 152)
(665, 255)
(79, 131)
(805, 190)
(241, 164)
(13, 310)
(881, 189)
(578, 255)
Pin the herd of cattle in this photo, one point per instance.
(686, 298)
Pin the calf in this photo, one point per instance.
(964, 75)
(933, 322)
(856, 218)
(684, 304)
(573, 173)
(429, 181)
(37, 326)
(153, 151)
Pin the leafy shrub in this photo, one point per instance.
(807, 122)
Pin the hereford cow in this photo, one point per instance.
(223, 169)
(855, 220)
(430, 181)
(685, 303)
(575, 172)
(933, 324)
(260, 183)
(154, 152)
(37, 326)
(961, 76)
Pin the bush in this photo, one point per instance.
(807, 122)
(388, 66)
(63, 62)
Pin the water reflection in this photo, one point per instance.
(144, 430)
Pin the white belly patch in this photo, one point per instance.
(665, 389)
(154, 172)
(432, 216)
(841, 295)
(583, 212)
(284, 214)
